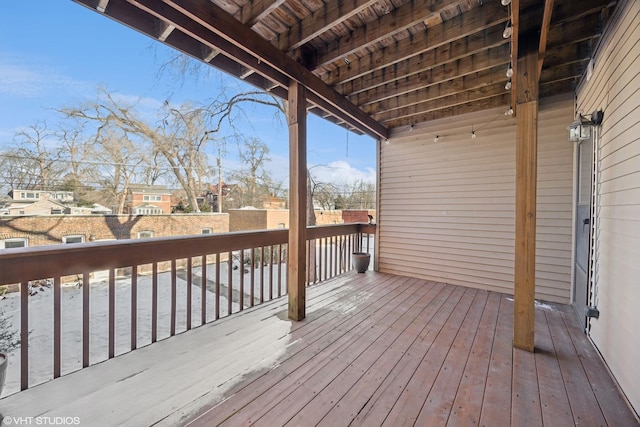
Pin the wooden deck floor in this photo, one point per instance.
(397, 351)
(375, 349)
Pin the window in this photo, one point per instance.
(205, 231)
(78, 238)
(14, 243)
(145, 234)
(151, 198)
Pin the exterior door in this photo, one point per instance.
(583, 230)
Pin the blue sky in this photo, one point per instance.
(56, 53)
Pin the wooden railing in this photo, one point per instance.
(233, 271)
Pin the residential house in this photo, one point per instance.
(40, 207)
(147, 200)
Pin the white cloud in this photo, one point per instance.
(22, 81)
(341, 173)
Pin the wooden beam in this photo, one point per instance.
(470, 107)
(255, 11)
(430, 104)
(399, 20)
(424, 47)
(297, 120)
(546, 22)
(435, 76)
(479, 61)
(526, 182)
(225, 26)
(439, 90)
(329, 15)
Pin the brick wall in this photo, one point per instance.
(258, 219)
(328, 217)
(357, 215)
(49, 230)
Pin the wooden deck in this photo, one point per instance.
(375, 349)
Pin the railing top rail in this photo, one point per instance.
(62, 260)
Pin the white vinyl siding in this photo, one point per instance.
(447, 208)
(614, 87)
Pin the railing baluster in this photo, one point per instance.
(203, 290)
(217, 301)
(279, 271)
(134, 307)
(154, 302)
(230, 283)
(174, 285)
(24, 335)
(271, 273)
(253, 273)
(112, 313)
(189, 282)
(319, 249)
(241, 279)
(57, 327)
(261, 274)
(85, 319)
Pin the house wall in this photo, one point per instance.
(446, 208)
(49, 230)
(614, 87)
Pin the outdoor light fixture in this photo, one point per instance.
(509, 112)
(473, 134)
(437, 138)
(508, 85)
(580, 129)
(508, 30)
(510, 71)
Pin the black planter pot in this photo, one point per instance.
(361, 261)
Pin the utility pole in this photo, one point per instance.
(219, 182)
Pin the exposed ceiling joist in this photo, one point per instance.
(329, 15)
(402, 18)
(420, 51)
(401, 61)
(253, 12)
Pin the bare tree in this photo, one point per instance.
(178, 138)
(253, 181)
(33, 159)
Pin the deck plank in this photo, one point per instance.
(497, 395)
(468, 401)
(439, 402)
(356, 323)
(365, 373)
(348, 406)
(614, 409)
(584, 405)
(554, 402)
(304, 390)
(407, 407)
(385, 397)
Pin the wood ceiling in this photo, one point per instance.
(376, 65)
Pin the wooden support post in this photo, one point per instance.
(526, 178)
(297, 120)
